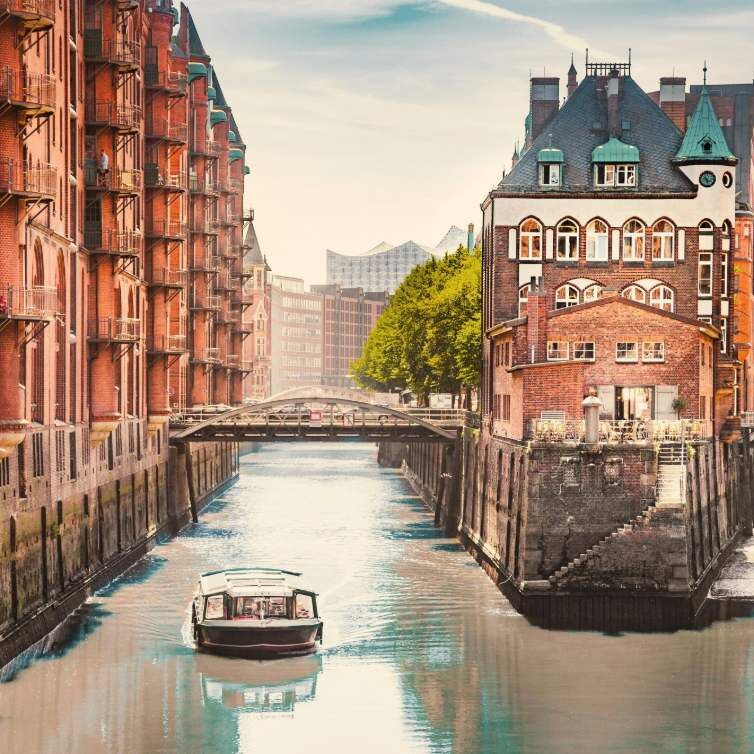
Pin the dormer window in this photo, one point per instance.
(707, 145)
(615, 164)
(550, 161)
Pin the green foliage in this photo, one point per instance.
(429, 337)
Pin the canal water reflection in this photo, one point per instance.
(421, 653)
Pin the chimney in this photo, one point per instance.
(673, 99)
(536, 326)
(613, 104)
(573, 81)
(544, 100)
(470, 237)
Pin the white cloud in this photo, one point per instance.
(334, 9)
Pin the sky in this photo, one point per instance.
(384, 120)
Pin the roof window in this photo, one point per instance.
(550, 162)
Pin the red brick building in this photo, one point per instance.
(121, 201)
(607, 261)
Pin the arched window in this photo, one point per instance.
(633, 241)
(596, 241)
(531, 240)
(706, 236)
(38, 266)
(523, 297)
(568, 241)
(565, 296)
(663, 235)
(592, 293)
(635, 293)
(661, 297)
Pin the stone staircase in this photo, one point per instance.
(639, 522)
(671, 472)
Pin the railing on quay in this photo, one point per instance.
(618, 431)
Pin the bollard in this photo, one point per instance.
(592, 405)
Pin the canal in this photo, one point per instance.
(421, 654)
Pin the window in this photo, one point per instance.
(635, 293)
(653, 351)
(568, 241)
(531, 240)
(727, 179)
(724, 274)
(596, 241)
(507, 354)
(523, 297)
(565, 296)
(625, 351)
(662, 241)
(702, 407)
(592, 293)
(705, 274)
(557, 350)
(606, 175)
(583, 351)
(633, 241)
(259, 608)
(724, 335)
(661, 297)
(706, 236)
(506, 408)
(549, 175)
(215, 607)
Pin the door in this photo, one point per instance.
(664, 397)
(634, 403)
(606, 393)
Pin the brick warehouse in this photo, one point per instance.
(125, 293)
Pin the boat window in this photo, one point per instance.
(258, 608)
(215, 608)
(304, 606)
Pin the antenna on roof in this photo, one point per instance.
(587, 56)
(705, 73)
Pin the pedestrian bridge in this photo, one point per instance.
(319, 417)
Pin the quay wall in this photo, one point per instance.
(70, 529)
(574, 535)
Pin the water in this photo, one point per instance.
(422, 653)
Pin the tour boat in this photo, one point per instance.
(255, 612)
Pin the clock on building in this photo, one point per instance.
(707, 179)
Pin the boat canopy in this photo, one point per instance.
(251, 582)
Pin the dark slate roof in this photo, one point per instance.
(251, 242)
(195, 43)
(220, 101)
(572, 130)
(234, 128)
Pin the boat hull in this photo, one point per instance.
(258, 642)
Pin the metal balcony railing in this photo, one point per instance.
(205, 301)
(123, 243)
(104, 113)
(119, 180)
(28, 180)
(160, 128)
(208, 355)
(203, 146)
(122, 53)
(206, 226)
(35, 303)
(30, 91)
(40, 11)
(155, 176)
(206, 264)
(166, 229)
(240, 270)
(245, 366)
(222, 282)
(174, 83)
(166, 278)
(167, 344)
(235, 186)
(115, 329)
(231, 360)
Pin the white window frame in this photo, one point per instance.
(706, 263)
(584, 350)
(597, 242)
(631, 291)
(626, 357)
(625, 175)
(665, 295)
(724, 274)
(634, 237)
(647, 351)
(523, 299)
(608, 175)
(723, 335)
(549, 174)
(591, 292)
(663, 241)
(570, 239)
(566, 296)
(555, 350)
(530, 239)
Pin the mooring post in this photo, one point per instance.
(592, 405)
(190, 480)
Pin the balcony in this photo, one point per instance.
(234, 186)
(155, 177)
(205, 302)
(224, 315)
(206, 264)
(167, 344)
(240, 270)
(115, 330)
(245, 366)
(38, 303)
(118, 243)
(242, 298)
(619, 432)
(32, 93)
(159, 128)
(175, 84)
(206, 226)
(206, 356)
(231, 361)
(39, 182)
(168, 229)
(204, 147)
(223, 282)
(166, 278)
(199, 186)
(122, 53)
(126, 182)
(124, 118)
(244, 328)
(36, 15)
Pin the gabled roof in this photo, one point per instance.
(253, 251)
(704, 140)
(220, 98)
(581, 125)
(195, 43)
(234, 128)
